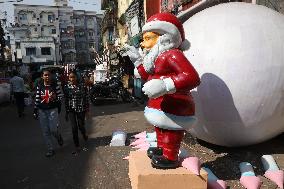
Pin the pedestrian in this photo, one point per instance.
(169, 78)
(17, 90)
(47, 108)
(76, 106)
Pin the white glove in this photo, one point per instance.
(158, 87)
(133, 54)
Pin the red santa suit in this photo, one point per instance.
(174, 111)
(169, 78)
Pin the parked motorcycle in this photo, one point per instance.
(109, 90)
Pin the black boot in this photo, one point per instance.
(154, 151)
(161, 162)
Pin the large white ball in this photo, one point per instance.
(238, 51)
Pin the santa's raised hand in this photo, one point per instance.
(133, 54)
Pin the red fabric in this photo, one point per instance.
(46, 96)
(159, 137)
(170, 142)
(175, 65)
(144, 75)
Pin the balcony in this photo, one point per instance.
(34, 21)
(65, 37)
(37, 59)
(91, 38)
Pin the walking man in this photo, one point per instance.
(17, 89)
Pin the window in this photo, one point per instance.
(23, 17)
(71, 44)
(110, 34)
(165, 3)
(76, 34)
(70, 57)
(30, 51)
(18, 45)
(91, 33)
(42, 29)
(35, 29)
(81, 33)
(50, 18)
(53, 31)
(91, 45)
(45, 51)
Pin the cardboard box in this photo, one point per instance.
(143, 176)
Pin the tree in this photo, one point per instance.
(2, 43)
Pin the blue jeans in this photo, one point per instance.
(49, 125)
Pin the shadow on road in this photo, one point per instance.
(23, 164)
(106, 108)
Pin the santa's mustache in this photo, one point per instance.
(165, 42)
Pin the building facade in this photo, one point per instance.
(35, 35)
(54, 34)
(67, 37)
(86, 35)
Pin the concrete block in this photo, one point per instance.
(143, 176)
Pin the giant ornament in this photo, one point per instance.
(238, 51)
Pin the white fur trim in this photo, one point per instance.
(170, 85)
(136, 73)
(163, 27)
(168, 121)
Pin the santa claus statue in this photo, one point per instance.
(170, 77)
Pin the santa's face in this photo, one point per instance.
(149, 40)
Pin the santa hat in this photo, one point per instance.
(167, 23)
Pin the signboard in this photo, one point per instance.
(134, 26)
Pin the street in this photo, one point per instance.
(99, 166)
(23, 164)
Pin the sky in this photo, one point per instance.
(76, 4)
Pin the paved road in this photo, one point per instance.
(23, 164)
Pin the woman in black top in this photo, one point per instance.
(76, 105)
(47, 107)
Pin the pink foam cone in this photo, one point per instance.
(145, 144)
(140, 135)
(192, 164)
(145, 148)
(138, 141)
(217, 184)
(250, 182)
(126, 158)
(275, 176)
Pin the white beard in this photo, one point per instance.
(164, 43)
